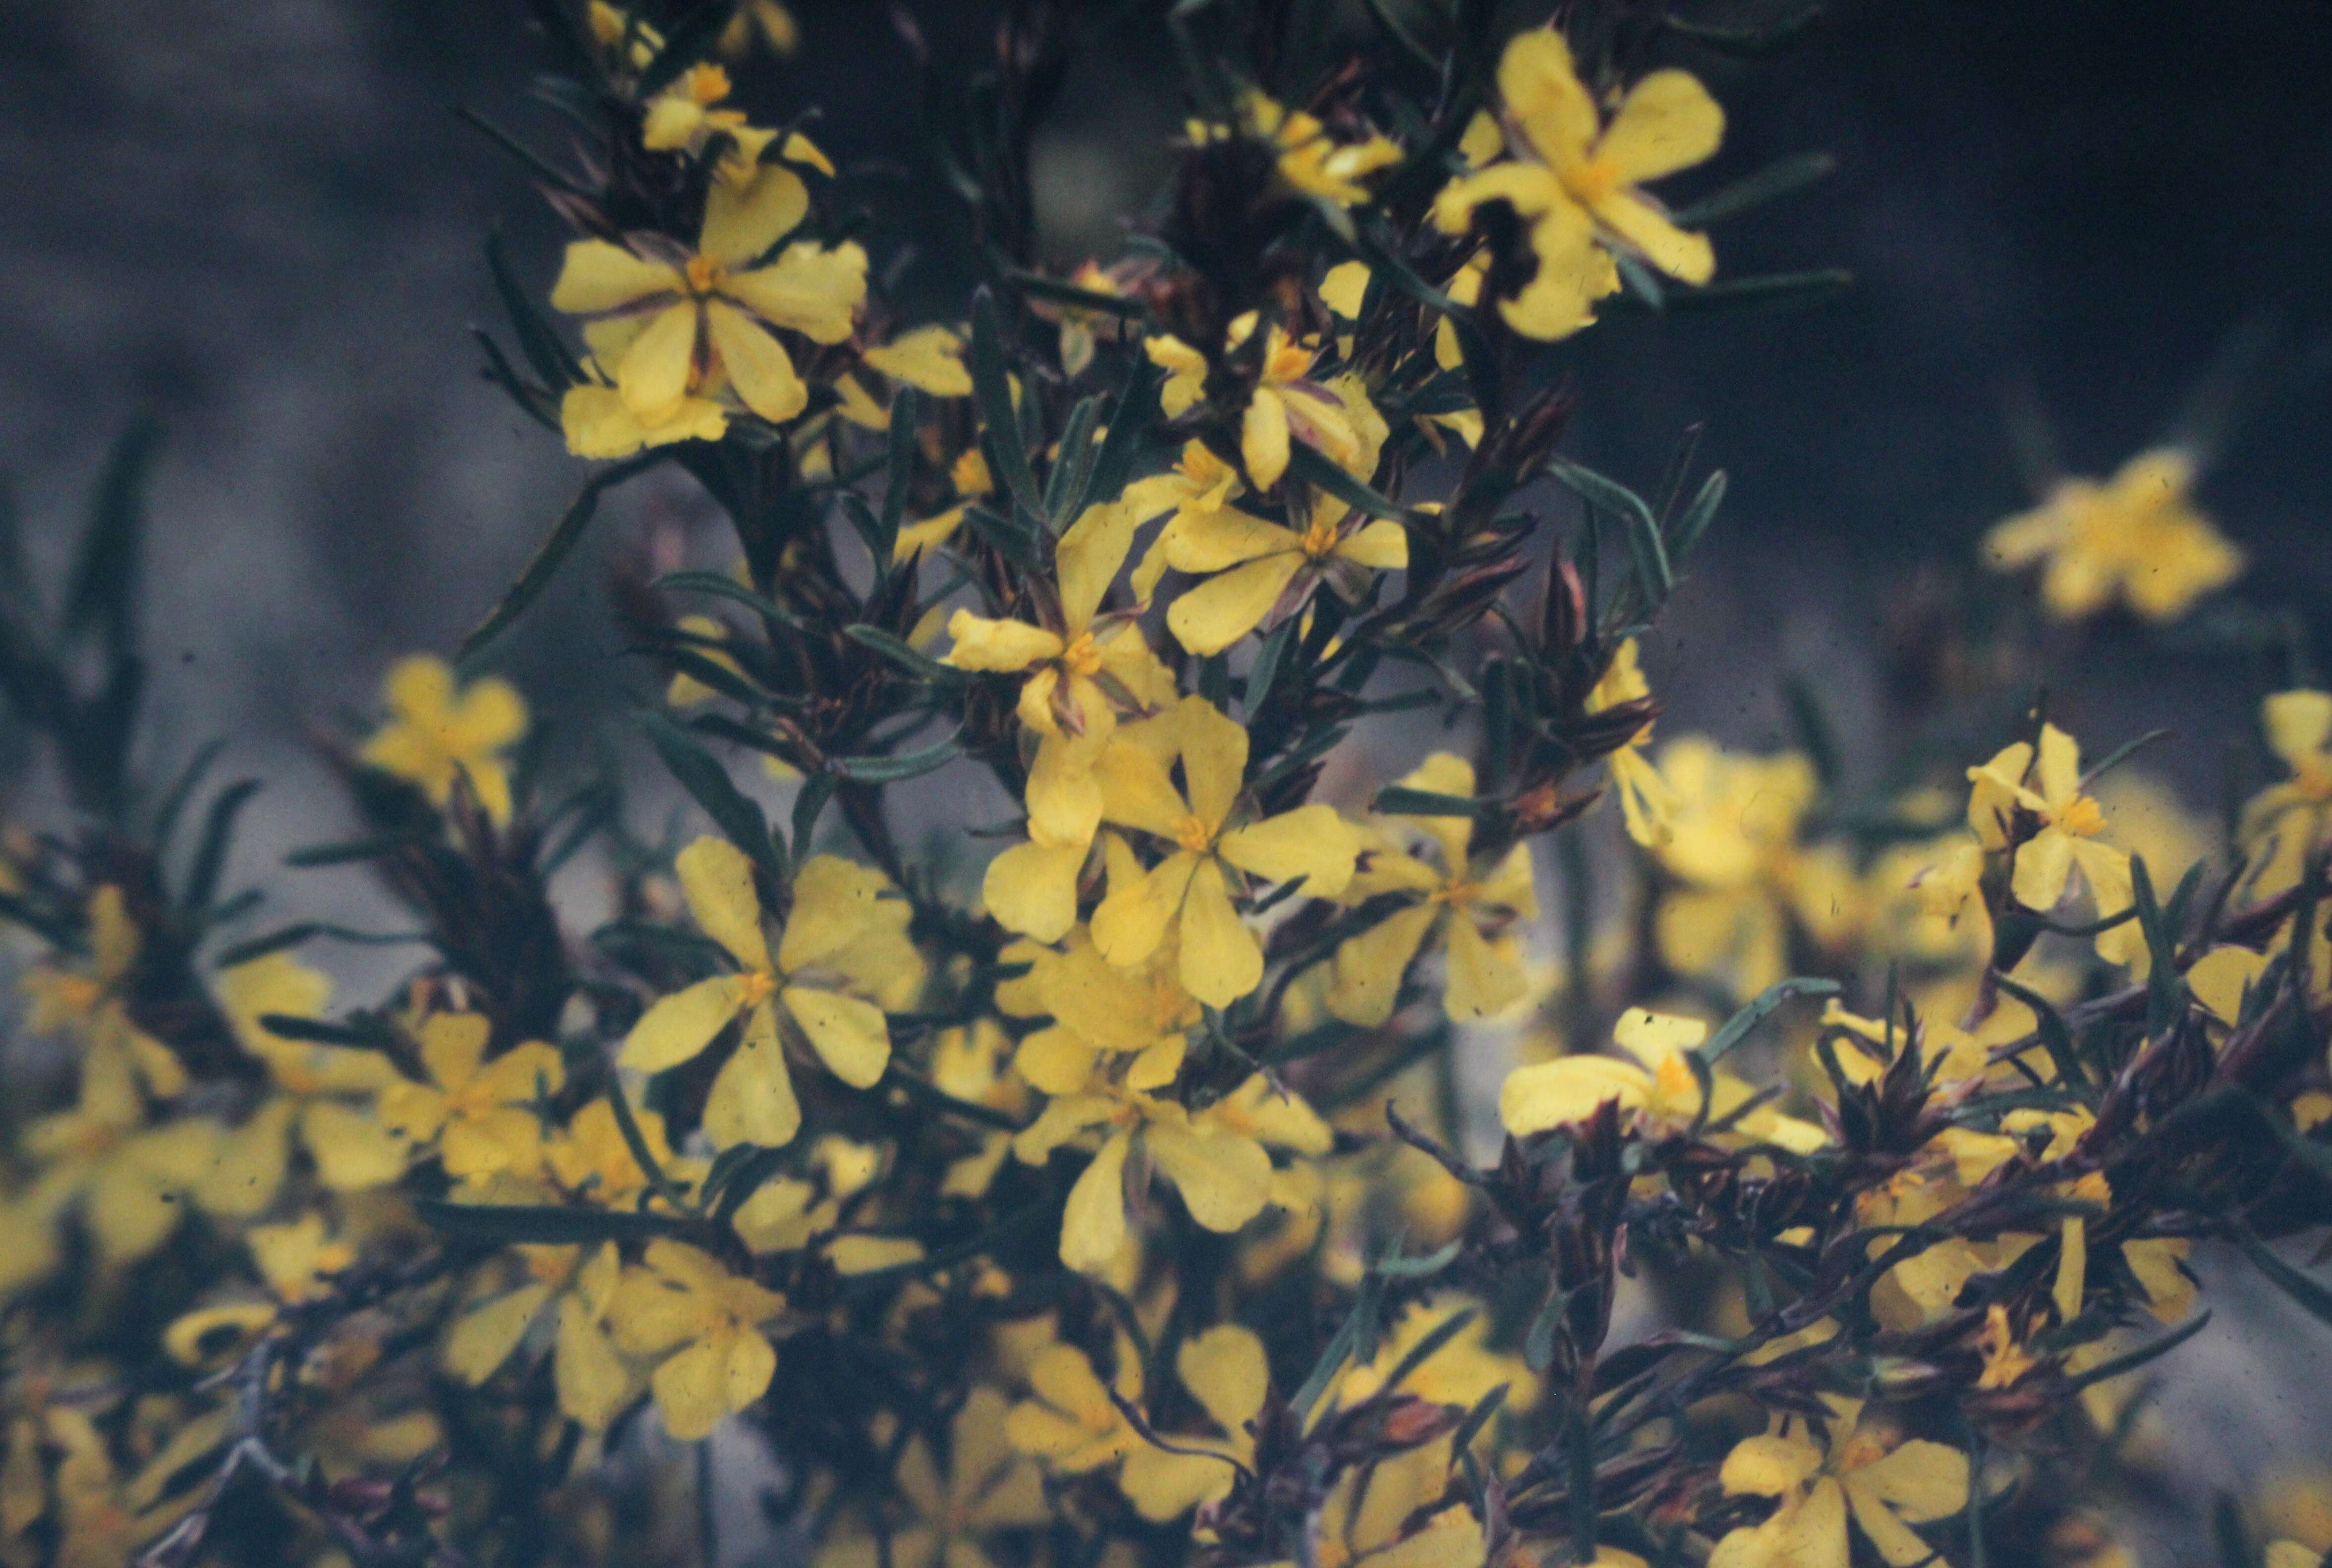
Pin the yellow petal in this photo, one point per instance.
(1225, 1368)
(758, 365)
(1216, 540)
(1093, 1225)
(655, 372)
(812, 290)
(2299, 724)
(1032, 889)
(251, 1160)
(1132, 919)
(599, 276)
(744, 217)
(2043, 863)
(1223, 1177)
(680, 1026)
(838, 903)
(1369, 967)
(1221, 961)
(849, 1034)
(1556, 1094)
(1087, 559)
(1003, 646)
(1485, 977)
(717, 880)
(1768, 1467)
(752, 1096)
(1644, 228)
(1382, 544)
(1263, 438)
(484, 1337)
(1214, 759)
(1922, 1481)
(1543, 91)
(691, 1392)
(1312, 843)
(592, 1381)
(929, 358)
(1668, 122)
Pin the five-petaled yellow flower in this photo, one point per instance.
(707, 1323)
(482, 1115)
(1259, 571)
(674, 329)
(1573, 179)
(1285, 404)
(1662, 1093)
(2138, 538)
(1311, 160)
(2070, 821)
(841, 923)
(1189, 891)
(1863, 1468)
(1473, 913)
(985, 1485)
(436, 732)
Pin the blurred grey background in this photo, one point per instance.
(261, 220)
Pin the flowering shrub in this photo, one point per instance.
(1097, 1167)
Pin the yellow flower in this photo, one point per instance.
(675, 331)
(1645, 799)
(1396, 1514)
(482, 1115)
(133, 1180)
(1192, 493)
(298, 1260)
(2292, 818)
(1259, 571)
(1862, 1468)
(1217, 1159)
(592, 1159)
(93, 1004)
(987, 1487)
(2138, 538)
(928, 358)
(970, 476)
(1285, 404)
(435, 732)
(325, 1094)
(1226, 1371)
(1733, 842)
(1473, 917)
(1191, 890)
(841, 920)
(1573, 179)
(1662, 1093)
(2071, 822)
(1309, 159)
(1099, 1009)
(707, 1325)
(1078, 678)
(1069, 1420)
(1461, 1372)
(592, 1381)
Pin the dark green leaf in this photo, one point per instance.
(810, 802)
(1685, 533)
(1736, 1028)
(739, 818)
(210, 853)
(2309, 1292)
(1064, 487)
(308, 931)
(1129, 421)
(1776, 179)
(182, 790)
(1038, 286)
(1319, 471)
(728, 588)
(2056, 1038)
(2133, 1360)
(537, 340)
(898, 473)
(891, 769)
(355, 850)
(1264, 671)
(991, 387)
(509, 1224)
(554, 551)
(1654, 577)
(105, 580)
(1748, 42)
(906, 657)
(1398, 800)
(1772, 290)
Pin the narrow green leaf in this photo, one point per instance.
(991, 387)
(1038, 286)
(1653, 576)
(546, 351)
(899, 472)
(2056, 1037)
(893, 769)
(907, 658)
(1736, 1028)
(1748, 42)
(211, 851)
(1685, 533)
(1319, 471)
(739, 818)
(182, 790)
(305, 931)
(1131, 418)
(2106, 1371)
(1398, 800)
(1064, 487)
(2302, 1288)
(354, 851)
(727, 587)
(554, 551)
(103, 593)
(508, 1224)
(1264, 671)
(1776, 179)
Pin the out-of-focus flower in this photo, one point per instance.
(2137, 539)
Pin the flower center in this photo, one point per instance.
(759, 985)
(1593, 180)
(707, 85)
(1193, 835)
(2084, 818)
(705, 274)
(1082, 655)
(1320, 540)
(1459, 892)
